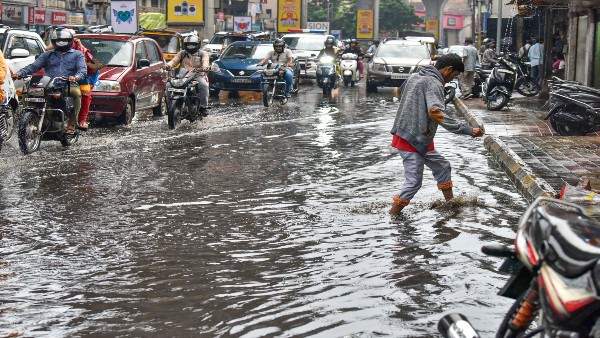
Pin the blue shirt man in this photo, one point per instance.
(70, 64)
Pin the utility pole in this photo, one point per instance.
(499, 28)
(376, 20)
(473, 27)
(304, 14)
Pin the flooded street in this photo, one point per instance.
(255, 222)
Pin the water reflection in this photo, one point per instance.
(253, 222)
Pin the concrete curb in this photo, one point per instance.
(524, 178)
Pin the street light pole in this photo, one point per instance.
(499, 28)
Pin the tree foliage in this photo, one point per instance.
(393, 15)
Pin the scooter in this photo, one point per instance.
(327, 76)
(499, 86)
(554, 270)
(45, 114)
(349, 69)
(575, 109)
(183, 97)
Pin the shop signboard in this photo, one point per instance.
(124, 16)
(59, 18)
(242, 23)
(39, 16)
(11, 13)
(364, 24)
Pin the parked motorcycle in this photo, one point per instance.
(273, 84)
(499, 86)
(575, 109)
(45, 113)
(327, 76)
(555, 276)
(450, 89)
(525, 85)
(183, 97)
(349, 69)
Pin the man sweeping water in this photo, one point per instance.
(420, 112)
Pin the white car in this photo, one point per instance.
(20, 49)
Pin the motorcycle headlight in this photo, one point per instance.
(178, 82)
(108, 86)
(379, 67)
(215, 68)
(326, 59)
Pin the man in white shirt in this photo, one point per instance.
(536, 58)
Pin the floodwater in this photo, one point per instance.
(255, 222)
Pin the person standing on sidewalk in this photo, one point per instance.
(420, 112)
(467, 80)
(536, 58)
(489, 58)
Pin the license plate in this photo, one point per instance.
(241, 80)
(35, 99)
(176, 90)
(270, 77)
(399, 76)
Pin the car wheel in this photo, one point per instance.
(127, 116)
(161, 109)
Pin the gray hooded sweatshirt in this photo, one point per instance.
(422, 91)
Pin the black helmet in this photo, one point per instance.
(61, 39)
(278, 43)
(329, 41)
(352, 41)
(191, 44)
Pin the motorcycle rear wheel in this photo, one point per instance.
(497, 101)
(174, 117)
(527, 87)
(29, 136)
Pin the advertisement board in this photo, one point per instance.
(432, 26)
(242, 23)
(290, 12)
(185, 12)
(364, 24)
(59, 18)
(11, 13)
(124, 16)
(76, 19)
(39, 16)
(324, 25)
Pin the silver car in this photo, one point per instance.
(393, 61)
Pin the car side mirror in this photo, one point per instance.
(205, 41)
(143, 63)
(19, 53)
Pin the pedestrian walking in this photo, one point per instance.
(489, 58)
(467, 80)
(536, 59)
(420, 112)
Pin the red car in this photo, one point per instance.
(132, 78)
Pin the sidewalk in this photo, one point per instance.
(533, 155)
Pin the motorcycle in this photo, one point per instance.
(555, 276)
(349, 69)
(327, 76)
(498, 88)
(575, 109)
(525, 85)
(45, 113)
(8, 107)
(273, 84)
(450, 90)
(183, 97)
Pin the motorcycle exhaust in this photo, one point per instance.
(456, 325)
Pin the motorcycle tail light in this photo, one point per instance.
(56, 96)
(566, 295)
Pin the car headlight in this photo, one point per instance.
(380, 67)
(215, 68)
(108, 86)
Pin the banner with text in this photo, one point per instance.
(186, 12)
(364, 24)
(432, 26)
(290, 12)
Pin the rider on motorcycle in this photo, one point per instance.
(281, 56)
(329, 49)
(192, 57)
(354, 48)
(61, 61)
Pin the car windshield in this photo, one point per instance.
(247, 52)
(110, 52)
(217, 40)
(400, 51)
(305, 42)
(167, 43)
